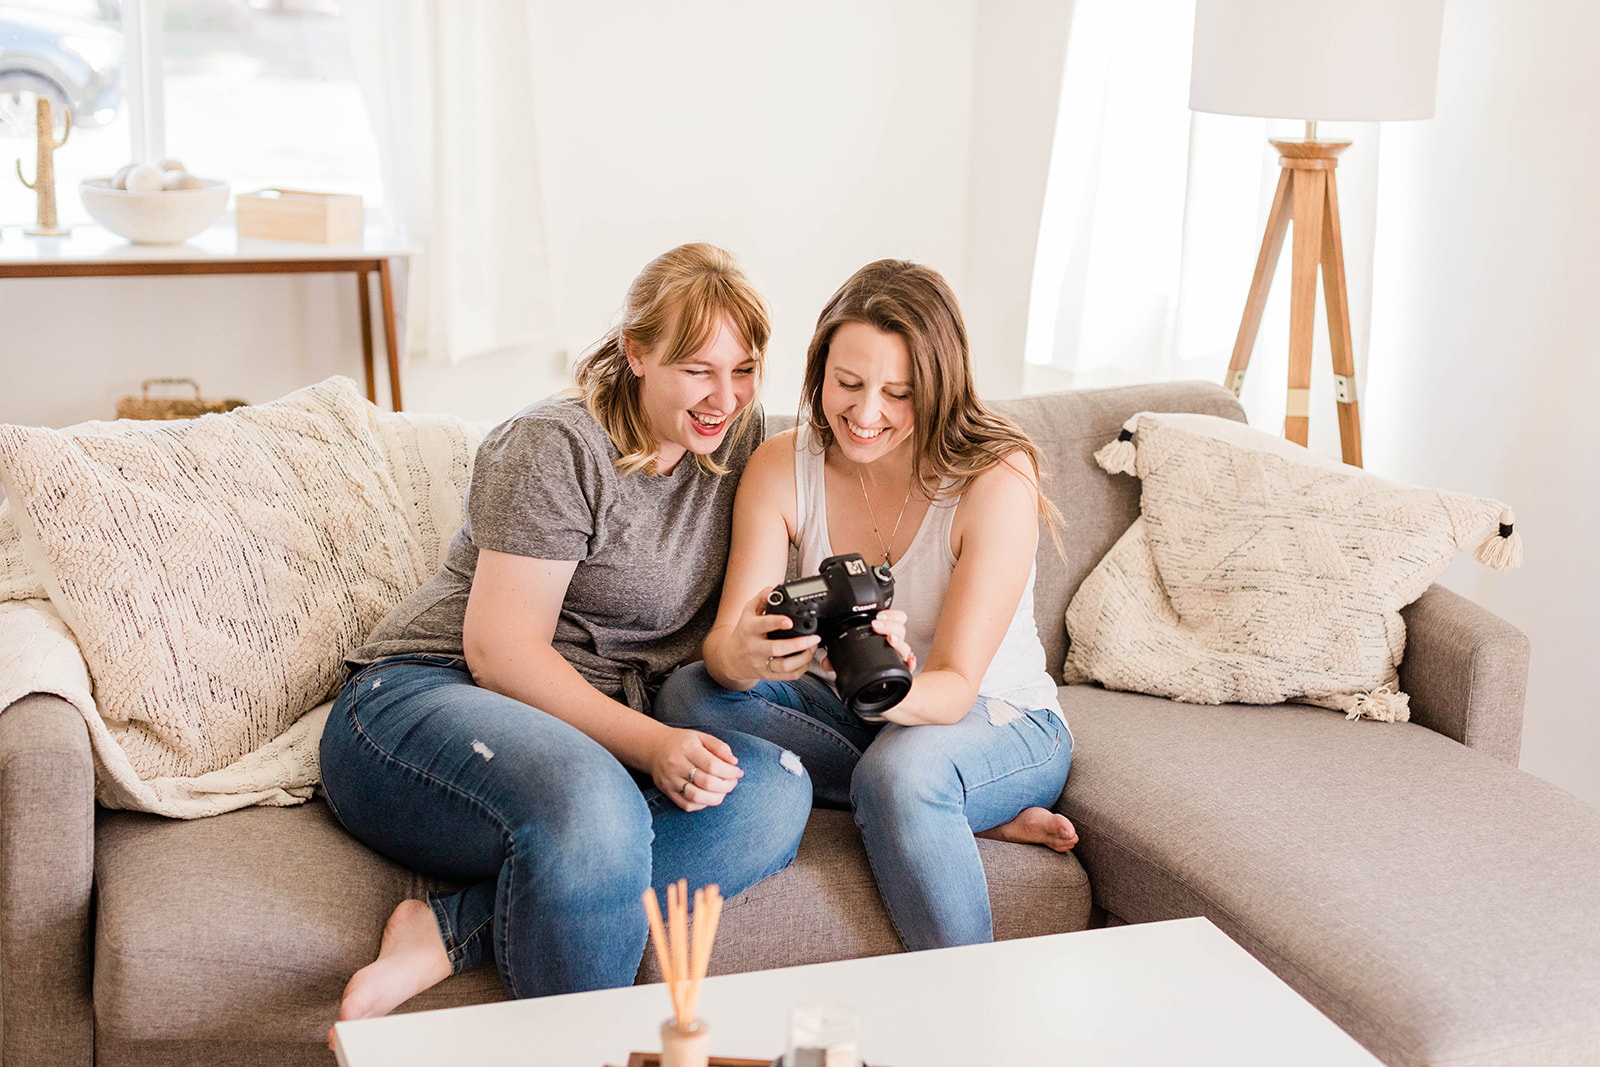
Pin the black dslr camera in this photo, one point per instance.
(839, 603)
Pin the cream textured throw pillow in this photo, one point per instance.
(214, 571)
(1260, 573)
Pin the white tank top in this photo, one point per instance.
(1015, 676)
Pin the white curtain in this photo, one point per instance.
(1153, 218)
(449, 89)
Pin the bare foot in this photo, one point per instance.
(411, 958)
(1037, 826)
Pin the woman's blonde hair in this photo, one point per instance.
(679, 299)
(955, 437)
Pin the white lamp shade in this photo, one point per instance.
(1316, 60)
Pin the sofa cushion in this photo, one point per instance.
(244, 928)
(214, 571)
(1260, 572)
(1437, 904)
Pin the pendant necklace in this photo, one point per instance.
(875, 531)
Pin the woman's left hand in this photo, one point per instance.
(693, 769)
(892, 624)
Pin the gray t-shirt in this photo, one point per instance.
(651, 550)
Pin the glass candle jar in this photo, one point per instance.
(822, 1035)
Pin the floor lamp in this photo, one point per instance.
(1315, 60)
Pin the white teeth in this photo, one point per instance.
(708, 421)
(865, 435)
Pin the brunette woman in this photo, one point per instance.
(895, 458)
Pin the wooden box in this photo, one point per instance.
(294, 215)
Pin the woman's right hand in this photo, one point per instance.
(757, 648)
(695, 770)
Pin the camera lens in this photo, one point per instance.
(871, 676)
(875, 698)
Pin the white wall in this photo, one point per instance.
(1485, 358)
(809, 139)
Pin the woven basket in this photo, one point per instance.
(145, 406)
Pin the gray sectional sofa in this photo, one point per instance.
(1437, 903)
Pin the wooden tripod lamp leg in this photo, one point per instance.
(1310, 188)
(1337, 300)
(1266, 264)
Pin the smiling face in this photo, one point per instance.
(689, 405)
(866, 392)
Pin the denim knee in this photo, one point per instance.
(692, 698)
(776, 788)
(887, 784)
(597, 835)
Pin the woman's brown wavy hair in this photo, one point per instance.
(680, 298)
(955, 437)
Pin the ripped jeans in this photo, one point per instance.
(919, 793)
(553, 839)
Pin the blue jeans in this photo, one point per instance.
(919, 793)
(554, 839)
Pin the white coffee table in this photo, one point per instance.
(1177, 992)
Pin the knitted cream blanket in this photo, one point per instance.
(202, 666)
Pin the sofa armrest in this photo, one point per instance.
(47, 815)
(1466, 670)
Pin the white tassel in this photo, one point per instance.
(1382, 704)
(1502, 549)
(1117, 457)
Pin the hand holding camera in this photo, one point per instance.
(839, 603)
(772, 648)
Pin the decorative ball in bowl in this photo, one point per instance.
(159, 217)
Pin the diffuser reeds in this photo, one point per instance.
(683, 957)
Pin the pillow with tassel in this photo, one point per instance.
(1259, 572)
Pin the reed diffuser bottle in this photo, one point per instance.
(683, 957)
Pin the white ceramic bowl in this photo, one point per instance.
(163, 218)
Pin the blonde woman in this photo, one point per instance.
(897, 459)
(496, 731)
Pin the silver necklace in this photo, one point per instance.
(875, 531)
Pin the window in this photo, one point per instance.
(255, 92)
(71, 52)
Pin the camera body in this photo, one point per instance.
(839, 603)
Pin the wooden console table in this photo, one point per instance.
(93, 252)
